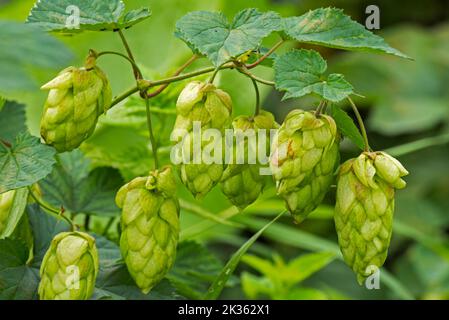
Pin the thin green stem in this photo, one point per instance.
(418, 145)
(256, 89)
(133, 63)
(320, 107)
(254, 77)
(150, 131)
(54, 212)
(164, 86)
(137, 73)
(361, 124)
(124, 95)
(146, 84)
(217, 69)
(108, 226)
(266, 55)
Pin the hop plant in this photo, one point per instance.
(211, 108)
(69, 268)
(364, 209)
(242, 183)
(76, 98)
(6, 203)
(150, 226)
(304, 158)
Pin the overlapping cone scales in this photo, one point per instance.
(69, 268)
(211, 108)
(75, 100)
(6, 203)
(364, 209)
(303, 160)
(150, 226)
(243, 183)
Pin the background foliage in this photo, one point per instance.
(403, 101)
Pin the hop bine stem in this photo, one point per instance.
(150, 131)
(256, 89)
(54, 212)
(137, 73)
(361, 124)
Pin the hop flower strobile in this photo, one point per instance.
(69, 268)
(211, 108)
(303, 160)
(150, 226)
(242, 183)
(76, 98)
(364, 209)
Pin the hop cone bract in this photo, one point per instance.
(6, 202)
(304, 158)
(210, 108)
(77, 97)
(364, 209)
(69, 268)
(242, 183)
(150, 226)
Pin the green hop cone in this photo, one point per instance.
(364, 209)
(150, 226)
(242, 183)
(303, 160)
(69, 268)
(209, 108)
(76, 98)
(6, 203)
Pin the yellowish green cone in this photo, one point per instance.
(303, 160)
(69, 268)
(150, 226)
(364, 209)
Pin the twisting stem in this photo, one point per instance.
(256, 89)
(124, 95)
(212, 78)
(254, 77)
(164, 86)
(361, 124)
(266, 55)
(137, 73)
(133, 63)
(54, 212)
(150, 131)
(320, 107)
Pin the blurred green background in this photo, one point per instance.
(403, 101)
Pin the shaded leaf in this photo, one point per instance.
(79, 190)
(194, 270)
(35, 49)
(12, 120)
(347, 126)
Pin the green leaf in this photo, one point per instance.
(330, 27)
(74, 186)
(254, 286)
(12, 120)
(212, 35)
(17, 281)
(347, 126)
(71, 16)
(194, 270)
(304, 266)
(36, 49)
(217, 286)
(301, 72)
(25, 162)
(16, 212)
